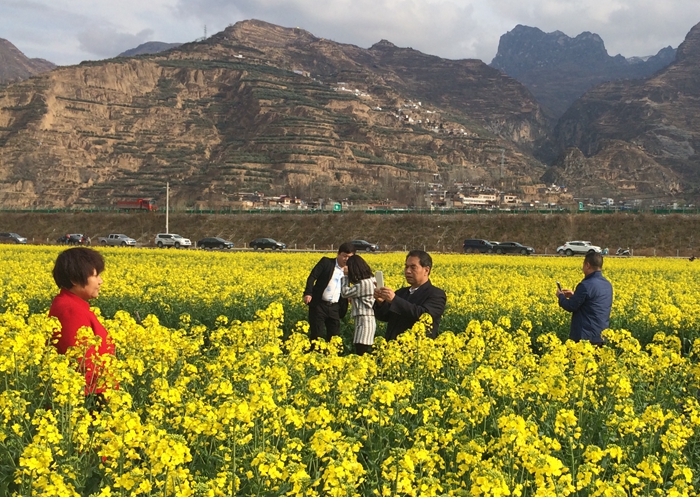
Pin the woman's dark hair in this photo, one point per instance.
(358, 269)
(74, 266)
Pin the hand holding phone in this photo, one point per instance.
(379, 276)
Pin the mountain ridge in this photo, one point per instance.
(150, 47)
(558, 69)
(654, 120)
(15, 66)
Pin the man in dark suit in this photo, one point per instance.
(401, 309)
(322, 294)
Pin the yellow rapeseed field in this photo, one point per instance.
(219, 395)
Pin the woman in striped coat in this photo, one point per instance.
(359, 284)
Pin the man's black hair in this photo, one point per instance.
(594, 259)
(423, 257)
(347, 248)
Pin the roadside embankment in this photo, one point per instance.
(645, 234)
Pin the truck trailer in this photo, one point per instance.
(141, 204)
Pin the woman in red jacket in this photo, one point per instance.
(77, 274)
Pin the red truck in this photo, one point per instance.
(142, 204)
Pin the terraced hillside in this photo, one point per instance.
(259, 107)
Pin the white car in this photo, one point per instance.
(171, 240)
(578, 247)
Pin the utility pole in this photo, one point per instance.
(502, 157)
(167, 205)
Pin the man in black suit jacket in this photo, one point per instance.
(322, 294)
(401, 309)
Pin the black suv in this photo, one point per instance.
(73, 239)
(263, 243)
(476, 245)
(365, 245)
(12, 238)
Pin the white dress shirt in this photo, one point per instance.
(332, 291)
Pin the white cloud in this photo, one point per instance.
(107, 42)
(68, 31)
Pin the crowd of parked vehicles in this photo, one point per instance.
(576, 247)
(163, 240)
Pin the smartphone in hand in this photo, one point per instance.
(559, 286)
(379, 276)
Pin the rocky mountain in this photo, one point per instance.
(148, 48)
(262, 107)
(558, 69)
(640, 136)
(15, 66)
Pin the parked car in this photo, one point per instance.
(117, 240)
(12, 238)
(577, 247)
(74, 239)
(214, 242)
(171, 240)
(475, 245)
(513, 248)
(365, 245)
(263, 243)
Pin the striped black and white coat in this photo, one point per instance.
(362, 295)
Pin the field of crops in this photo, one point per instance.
(219, 395)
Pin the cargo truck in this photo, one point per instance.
(141, 204)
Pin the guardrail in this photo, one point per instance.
(660, 211)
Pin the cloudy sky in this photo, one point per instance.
(70, 31)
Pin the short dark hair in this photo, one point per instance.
(358, 269)
(74, 266)
(347, 248)
(423, 257)
(594, 259)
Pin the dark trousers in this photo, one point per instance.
(362, 349)
(324, 315)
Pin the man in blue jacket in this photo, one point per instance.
(590, 304)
